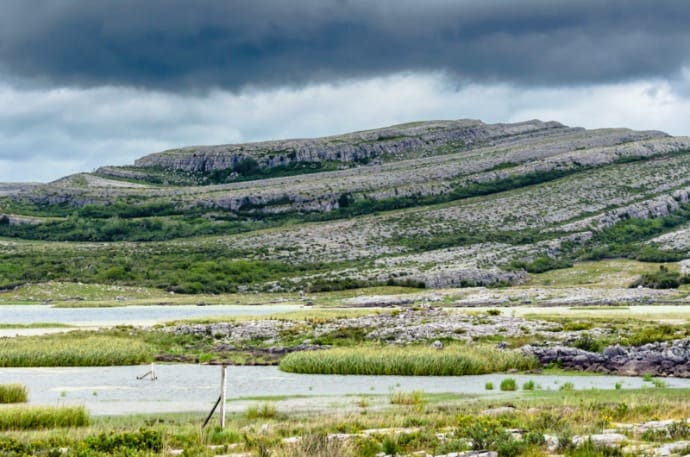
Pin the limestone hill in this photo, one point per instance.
(441, 203)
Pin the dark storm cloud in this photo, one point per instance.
(183, 44)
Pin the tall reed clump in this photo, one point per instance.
(54, 351)
(13, 393)
(318, 445)
(453, 360)
(42, 417)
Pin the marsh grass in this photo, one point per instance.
(414, 398)
(454, 360)
(508, 384)
(318, 445)
(13, 393)
(262, 411)
(72, 350)
(42, 417)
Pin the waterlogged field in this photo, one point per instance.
(532, 423)
(107, 411)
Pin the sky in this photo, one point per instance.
(88, 83)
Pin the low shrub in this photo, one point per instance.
(487, 433)
(661, 279)
(142, 440)
(529, 385)
(508, 384)
(587, 342)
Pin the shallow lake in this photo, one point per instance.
(128, 315)
(184, 387)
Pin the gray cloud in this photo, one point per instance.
(203, 44)
(47, 134)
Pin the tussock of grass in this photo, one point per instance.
(454, 360)
(42, 417)
(415, 398)
(318, 445)
(13, 393)
(262, 411)
(61, 350)
(508, 384)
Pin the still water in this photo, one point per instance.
(184, 387)
(128, 315)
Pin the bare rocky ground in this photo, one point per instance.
(551, 342)
(401, 326)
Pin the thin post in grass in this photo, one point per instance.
(151, 372)
(223, 393)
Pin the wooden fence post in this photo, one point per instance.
(223, 394)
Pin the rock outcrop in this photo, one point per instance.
(657, 359)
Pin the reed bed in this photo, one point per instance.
(42, 417)
(60, 350)
(454, 360)
(13, 393)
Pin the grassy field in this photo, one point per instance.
(602, 273)
(602, 280)
(453, 360)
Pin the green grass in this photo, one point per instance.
(508, 384)
(414, 398)
(42, 417)
(72, 350)
(13, 393)
(454, 360)
(262, 411)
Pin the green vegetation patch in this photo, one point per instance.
(179, 268)
(662, 279)
(454, 360)
(13, 393)
(42, 417)
(73, 349)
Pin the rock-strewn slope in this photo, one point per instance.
(443, 203)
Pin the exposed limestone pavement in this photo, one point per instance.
(408, 325)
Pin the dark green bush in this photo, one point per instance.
(142, 440)
(661, 279)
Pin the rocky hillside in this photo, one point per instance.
(442, 203)
(421, 139)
